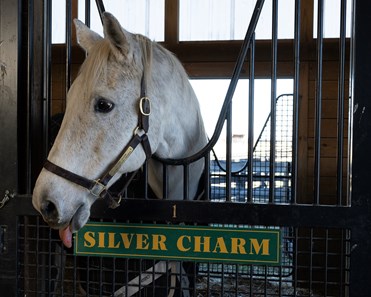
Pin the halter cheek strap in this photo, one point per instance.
(98, 187)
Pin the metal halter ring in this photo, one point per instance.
(139, 131)
(142, 110)
(98, 188)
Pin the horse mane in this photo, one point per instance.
(95, 64)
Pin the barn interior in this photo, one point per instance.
(289, 153)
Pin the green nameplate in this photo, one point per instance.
(180, 242)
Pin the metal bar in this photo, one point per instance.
(113, 276)
(185, 182)
(341, 97)
(87, 12)
(295, 126)
(165, 181)
(222, 281)
(75, 276)
(347, 249)
(236, 277)
(38, 131)
(325, 283)
(250, 163)
(280, 281)
(38, 253)
(63, 266)
(311, 260)
(360, 163)
(232, 86)
(272, 154)
(295, 276)
(318, 107)
(207, 185)
(30, 83)
(265, 281)
(100, 277)
(68, 44)
(233, 213)
(49, 266)
(145, 175)
(87, 275)
(304, 215)
(100, 8)
(251, 280)
(22, 90)
(256, 176)
(47, 73)
(342, 261)
(126, 276)
(228, 154)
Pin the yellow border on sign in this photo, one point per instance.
(185, 227)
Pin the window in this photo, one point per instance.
(146, 17)
(229, 19)
(58, 21)
(331, 18)
(211, 94)
(141, 16)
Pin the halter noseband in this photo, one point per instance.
(98, 187)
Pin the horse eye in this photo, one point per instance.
(103, 105)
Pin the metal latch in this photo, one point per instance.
(7, 196)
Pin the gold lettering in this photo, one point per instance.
(101, 240)
(238, 245)
(180, 243)
(111, 241)
(220, 246)
(205, 243)
(158, 241)
(126, 239)
(142, 241)
(89, 240)
(255, 246)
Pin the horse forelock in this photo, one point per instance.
(95, 64)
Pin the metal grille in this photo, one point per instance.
(317, 267)
(261, 171)
(261, 166)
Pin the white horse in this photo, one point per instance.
(128, 87)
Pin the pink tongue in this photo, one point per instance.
(66, 236)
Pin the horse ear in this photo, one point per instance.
(86, 38)
(119, 37)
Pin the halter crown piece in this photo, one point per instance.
(98, 187)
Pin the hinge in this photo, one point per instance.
(3, 243)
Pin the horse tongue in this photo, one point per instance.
(66, 236)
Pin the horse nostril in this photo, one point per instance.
(49, 210)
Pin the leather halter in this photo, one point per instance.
(98, 187)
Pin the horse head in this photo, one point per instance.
(114, 89)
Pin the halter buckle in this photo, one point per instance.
(98, 188)
(145, 106)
